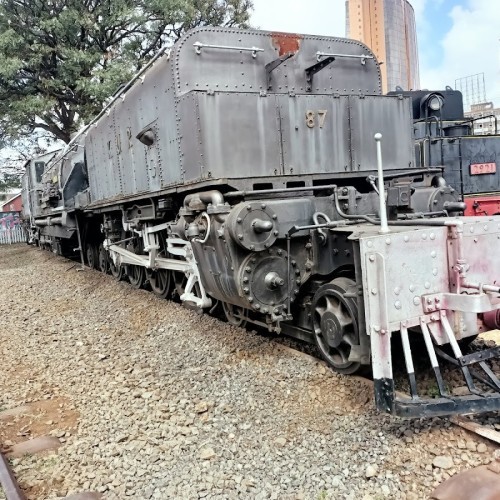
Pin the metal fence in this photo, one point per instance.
(12, 235)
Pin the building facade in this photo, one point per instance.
(388, 28)
(486, 118)
(13, 204)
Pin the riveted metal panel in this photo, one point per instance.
(227, 134)
(130, 150)
(104, 174)
(121, 165)
(477, 149)
(481, 242)
(231, 67)
(315, 133)
(391, 116)
(400, 267)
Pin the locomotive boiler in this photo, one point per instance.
(241, 168)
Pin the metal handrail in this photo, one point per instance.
(198, 46)
(363, 57)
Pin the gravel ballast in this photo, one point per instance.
(151, 400)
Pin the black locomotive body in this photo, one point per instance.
(245, 168)
(445, 137)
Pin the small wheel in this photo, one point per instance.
(116, 271)
(103, 260)
(161, 282)
(335, 324)
(233, 314)
(136, 275)
(92, 256)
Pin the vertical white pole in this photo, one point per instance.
(384, 227)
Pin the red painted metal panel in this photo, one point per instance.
(483, 205)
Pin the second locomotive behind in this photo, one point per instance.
(241, 168)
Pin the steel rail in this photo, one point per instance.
(8, 481)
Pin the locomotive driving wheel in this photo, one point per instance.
(92, 256)
(335, 324)
(136, 275)
(161, 282)
(116, 271)
(103, 260)
(234, 314)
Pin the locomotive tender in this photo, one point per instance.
(240, 168)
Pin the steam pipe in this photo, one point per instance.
(214, 197)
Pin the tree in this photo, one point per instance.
(14, 156)
(61, 59)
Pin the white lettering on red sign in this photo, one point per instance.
(483, 168)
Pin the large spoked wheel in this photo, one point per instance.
(116, 271)
(335, 325)
(161, 282)
(103, 260)
(92, 256)
(234, 314)
(136, 275)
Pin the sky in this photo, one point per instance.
(456, 38)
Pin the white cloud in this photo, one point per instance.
(315, 17)
(471, 46)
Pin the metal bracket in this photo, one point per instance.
(476, 303)
(315, 68)
(270, 67)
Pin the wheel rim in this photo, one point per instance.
(103, 260)
(161, 282)
(335, 324)
(116, 271)
(90, 256)
(232, 312)
(136, 275)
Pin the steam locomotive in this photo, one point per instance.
(266, 172)
(445, 136)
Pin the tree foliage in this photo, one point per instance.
(60, 59)
(13, 157)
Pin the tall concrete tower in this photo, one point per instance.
(388, 28)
